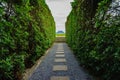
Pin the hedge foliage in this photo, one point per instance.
(27, 29)
(93, 32)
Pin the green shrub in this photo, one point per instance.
(6, 67)
(27, 29)
(94, 35)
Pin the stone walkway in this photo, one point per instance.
(59, 64)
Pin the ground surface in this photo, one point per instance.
(60, 35)
(59, 64)
(60, 39)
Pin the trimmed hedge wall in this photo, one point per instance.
(93, 32)
(27, 29)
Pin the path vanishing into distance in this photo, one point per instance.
(59, 64)
(59, 39)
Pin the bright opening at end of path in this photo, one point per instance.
(60, 9)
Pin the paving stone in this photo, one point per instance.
(60, 52)
(60, 49)
(60, 60)
(60, 68)
(59, 55)
(59, 78)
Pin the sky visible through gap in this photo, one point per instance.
(60, 10)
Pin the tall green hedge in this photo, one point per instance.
(27, 29)
(93, 32)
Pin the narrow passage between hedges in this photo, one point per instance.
(59, 64)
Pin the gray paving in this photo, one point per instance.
(70, 69)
